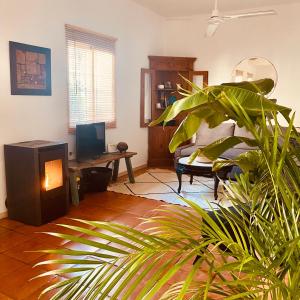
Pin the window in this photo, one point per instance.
(91, 59)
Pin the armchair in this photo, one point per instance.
(204, 137)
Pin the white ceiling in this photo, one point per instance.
(177, 8)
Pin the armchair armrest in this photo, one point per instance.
(179, 149)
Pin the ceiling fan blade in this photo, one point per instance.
(211, 29)
(251, 14)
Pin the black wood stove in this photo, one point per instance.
(36, 181)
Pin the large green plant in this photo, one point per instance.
(262, 236)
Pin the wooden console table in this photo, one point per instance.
(76, 167)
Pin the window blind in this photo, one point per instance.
(91, 63)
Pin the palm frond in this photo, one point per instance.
(248, 251)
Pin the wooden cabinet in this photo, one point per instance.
(158, 90)
(158, 141)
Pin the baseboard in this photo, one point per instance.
(3, 215)
(124, 173)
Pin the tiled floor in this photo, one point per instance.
(17, 238)
(162, 184)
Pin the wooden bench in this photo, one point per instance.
(75, 168)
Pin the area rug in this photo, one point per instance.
(162, 185)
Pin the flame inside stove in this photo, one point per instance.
(53, 174)
(46, 183)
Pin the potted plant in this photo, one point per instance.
(181, 255)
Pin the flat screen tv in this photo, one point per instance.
(90, 141)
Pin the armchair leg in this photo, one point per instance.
(179, 176)
(217, 180)
(191, 179)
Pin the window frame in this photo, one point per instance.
(113, 124)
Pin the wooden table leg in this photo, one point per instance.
(217, 180)
(74, 189)
(129, 169)
(115, 170)
(108, 163)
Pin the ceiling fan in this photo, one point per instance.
(216, 19)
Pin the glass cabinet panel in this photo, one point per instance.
(200, 78)
(145, 109)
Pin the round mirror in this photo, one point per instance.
(255, 68)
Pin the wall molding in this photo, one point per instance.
(3, 215)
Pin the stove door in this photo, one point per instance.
(53, 181)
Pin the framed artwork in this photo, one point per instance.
(30, 69)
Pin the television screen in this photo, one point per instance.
(90, 141)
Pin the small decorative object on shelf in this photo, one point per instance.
(171, 100)
(111, 148)
(122, 147)
(168, 85)
(160, 87)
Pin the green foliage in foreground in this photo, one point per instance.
(143, 263)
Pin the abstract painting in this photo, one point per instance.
(30, 69)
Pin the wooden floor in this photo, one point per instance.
(16, 238)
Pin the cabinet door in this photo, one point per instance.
(157, 143)
(159, 139)
(200, 78)
(146, 95)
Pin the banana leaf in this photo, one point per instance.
(252, 102)
(262, 86)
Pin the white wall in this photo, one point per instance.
(275, 38)
(140, 33)
(41, 23)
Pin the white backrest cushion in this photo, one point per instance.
(244, 133)
(206, 136)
